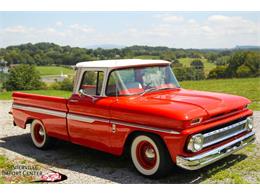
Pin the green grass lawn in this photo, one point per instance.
(242, 168)
(207, 65)
(145, 57)
(59, 93)
(54, 70)
(248, 87)
(185, 61)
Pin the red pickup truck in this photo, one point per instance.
(137, 107)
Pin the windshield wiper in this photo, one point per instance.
(155, 89)
(148, 90)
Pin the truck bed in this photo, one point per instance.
(50, 110)
(41, 101)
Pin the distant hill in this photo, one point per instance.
(106, 46)
(247, 47)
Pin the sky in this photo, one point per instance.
(172, 29)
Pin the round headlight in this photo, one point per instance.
(196, 143)
(250, 123)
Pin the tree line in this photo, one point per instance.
(229, 62)
(50, 53)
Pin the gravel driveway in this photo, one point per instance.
(83, 165)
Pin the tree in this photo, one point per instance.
(244, 64)
(218, 73)
(221, 61)
(168, 55)
(236, 60)
(188, 73)
(197, 64)
(176, 63)
(212, 56)
(253, 62)
(23, 77)
(243, 71)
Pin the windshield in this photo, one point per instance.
(139, 80)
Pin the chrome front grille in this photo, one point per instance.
(224, 133)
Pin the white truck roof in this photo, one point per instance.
(118, 63)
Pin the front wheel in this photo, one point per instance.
(39, 135)
(150, 157)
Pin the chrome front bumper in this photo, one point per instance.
(204, 159)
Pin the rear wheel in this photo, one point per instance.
(149, 156)
(39, 135)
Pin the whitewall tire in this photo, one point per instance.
(39, 135)
(149, 156)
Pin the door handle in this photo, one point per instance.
(73, 101)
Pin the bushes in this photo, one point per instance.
(218, 72)
(176, 63)
(221, 61)
(244, 64)
(2, 77)
(240, 64)
(23, 77)
(243, 71)
(197, 64)
(66, 85)
(188, 73)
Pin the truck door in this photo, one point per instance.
(88, 118)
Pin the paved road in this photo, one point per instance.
(83, 165)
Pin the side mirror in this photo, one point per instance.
(82, 92)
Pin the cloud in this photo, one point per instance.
(218, 18)
(169, 18)
(213, 31)
(172, 19)
(171, 30)
(59, 23)
(73, 34)
(15, 29)
(81, 28)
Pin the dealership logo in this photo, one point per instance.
(34, 173)
(52, 176)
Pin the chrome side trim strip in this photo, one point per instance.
(204, 159)
(40, 110)
(90, 119)
(144, 127)
(87, 119)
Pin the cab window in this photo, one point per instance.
(92, 82)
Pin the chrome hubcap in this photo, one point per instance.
(149, 153)
(41, 132)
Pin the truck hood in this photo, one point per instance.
(170, 108)
(211, 103)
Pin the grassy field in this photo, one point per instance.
(59, 93)
(54, 70)
(208, 66)
(57, 70)
(145, 57)
(242, 168)
(249, 88)
(185, 61)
